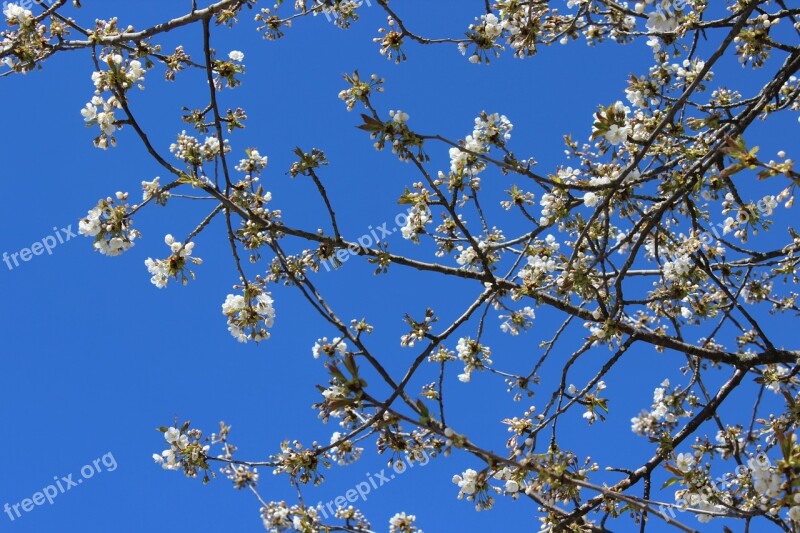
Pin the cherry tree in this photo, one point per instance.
(656, 234)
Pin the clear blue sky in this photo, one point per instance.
(94, 357)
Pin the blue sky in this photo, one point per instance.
(95, 357)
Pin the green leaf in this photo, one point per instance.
(668, 483)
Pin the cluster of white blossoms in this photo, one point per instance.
(468, 257)
(474, 355)
(173, 266)
(399, 117)
(152, 189)
(664, 19)
(30, 40)
(336, 346)
(556, 202)
(678, 263)
(678, 267)
(590, 199)
(120, 76)
(474, 486)
(540, 261)
(598, 332)
(345, 452)
(100, 111)
(335, 392)
(729, 440)
(768, 204)
(17, 14)
(776, 375)
(254, 163)
(510, 485)
(699, 499)
(660, 21)
(180, 448)
(552, 203)
(642, 424)
(794, 512)
(672, 253)
(359, 89)
(189, 150)
(688, 71)
(415, 222)
(767, 481)
(248, 317)
(642, 92)
(664, 413)
(468, 483)
(517, 23)
(685, 462)
(762, 485)
(770, 489)
(279, 518)
(396, 132)
(494, 129)
(613, 123)
(484, 33)
(242, 476)
(341, 11)
(490, 130)
(110, 225)
(491, 26)
(646, 91)
(592, 401)
(752, 214)
(517, 321)
(226, 71)
(352, 517)
(757, 290)
(403, 523)
(464, 162)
